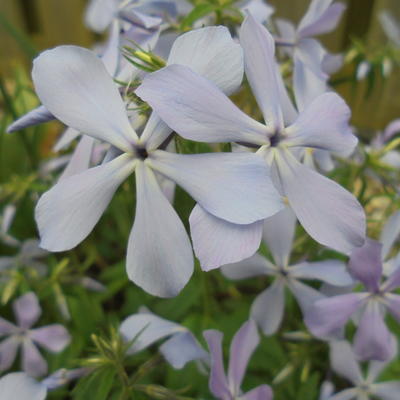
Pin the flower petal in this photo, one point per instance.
(36, 116)
(196, 109)
(324, 124)
(67, 213)
(242, 347)
(217, 242)
(256, 265)
(32, 361)
(159, 258)
(390, 233)
(366, 264)
(393, 305)
(347, 394)
(52, 337)
(329, 213)
(387, 390)
(99, 14)
(27, 310)
(218, 383)
(241, 192)
(74, 85)
(19, 385)
(333, 272)
(6, 327)
(267, 308)
(305, 295)
(393, 282)
(8, 352)
(65, 139)
(260, 66)
(262, 392)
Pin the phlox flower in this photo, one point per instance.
(197, 110)
(227, 386)
(268, 307)
(74, 85)
(146, 328)
(366, 387)
(53, 338)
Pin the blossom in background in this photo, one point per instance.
(53, 337)
(227, 386)
(268, 307)
(197, 110)
(372, 339)
(344, 363)
(146, 328)
(20, 386)
(159, 256)
(390, 26)
(63, 376)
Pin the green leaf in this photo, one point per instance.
(95, 386)
(198, 12)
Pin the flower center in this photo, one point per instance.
(141, 152)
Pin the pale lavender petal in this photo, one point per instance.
(53, 337)
(387, 390)
(218, 383)
(324, 124)
(6, 327)
(390, 26)
(159, 257)
(217, 242)
(155, 132)
(8, 352)
(366, 264)
(7, 218)
(344, 362)
(99, 14)
(393, 282)
(263, 392)
(80, 160)
(326, 391)
(320, 18)
(256, 265)
(30, 250)
(136, 17)
(7, 262)
(196, 109)
(19, 386)
(67, 213)
(182, 348)
(74, 85)
(329, 213)
(242, 192)
(305, 295)
(311, 53)
(347, 394)
(390, 233)
(32, 361)
(333, 272)
(27, 310)
(68, 136)
(34, 117)
(242, 347)
(212, 53)
(393, 305)
(328, 315)
(111, 55)
(63, 376)
(391, 129)
(324, 159)
(260, 66)
(267, 308)
(376, 367)
(278, 234)
(146, 328)
(286, 30)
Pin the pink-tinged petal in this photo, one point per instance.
(6, 327)
(305, 295)
(268, 307)
(8, 352)
(256, 265)
(36, 116)
(344, 362)
(366, 264)
(32, 361)
(80, 160)
(67, 213)
(217, 242)
(320, 18)
(20, 386)
(54, 338)
(194, 107)
(212, 53)
(324, 124)
(242, 347)
(278, 234)
(182, 348)
(390, 233)
(372, 340)
(328, 315)
(218, 383)
(393, 305)
(329, 213)
(27, 310)
(159, 257)
(99, 14)
(333, 272)
(260, 66)
(68, 136)
(74, 85)
(241, 192)
(263, 392)
(387, 390)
